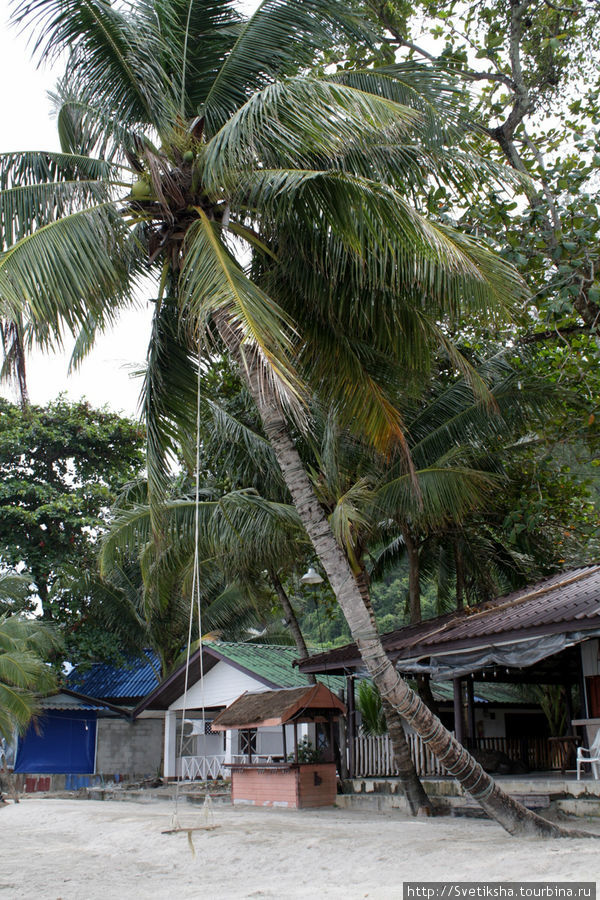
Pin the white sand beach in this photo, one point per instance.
(91, 850)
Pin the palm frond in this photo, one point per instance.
(366, 232)
(24, 208)
(67, 268)
(278, 39)
(41, 167)
(169, 393)
(109, 49)
(197, 37)
(294, 123)
(212, 282)
(446, 494)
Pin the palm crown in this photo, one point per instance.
(189, 133)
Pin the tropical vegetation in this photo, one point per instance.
(190, 133)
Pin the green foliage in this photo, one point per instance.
(15, 592)
(60, 469)
(25, 645)
(551, 698)
(368, 701)
(307, 753)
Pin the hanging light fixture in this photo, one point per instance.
(311, 577)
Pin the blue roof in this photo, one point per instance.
(133, 680)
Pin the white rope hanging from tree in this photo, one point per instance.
(194, 599)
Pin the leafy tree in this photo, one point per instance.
(532, 71)
(60, 468)
(246, 152)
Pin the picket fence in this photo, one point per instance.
(374, 756)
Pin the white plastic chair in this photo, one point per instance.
(590, 757)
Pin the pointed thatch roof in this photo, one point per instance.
(264, 708)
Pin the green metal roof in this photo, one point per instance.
(272, 663)
(485, 693)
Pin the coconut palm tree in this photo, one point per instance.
(187, 130)
(25, 675)
(145, 590)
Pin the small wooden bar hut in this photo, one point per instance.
(285, 779)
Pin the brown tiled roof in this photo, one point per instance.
(567, 602)
(258, 709)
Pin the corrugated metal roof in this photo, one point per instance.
(569, 601)
(443, 691)
(271, 662)
(64, 701)
(132, 681)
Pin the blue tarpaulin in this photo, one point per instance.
(66, 743)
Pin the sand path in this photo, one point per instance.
(91, 850)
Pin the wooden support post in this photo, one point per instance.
(296, 743)
(471, 735)
(458, 711)
(284, 744)
(569, 707)
(585, 710)
(351, 732)
(331, 753)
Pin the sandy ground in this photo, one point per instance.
(82, 850)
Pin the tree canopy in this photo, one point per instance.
(61, 468)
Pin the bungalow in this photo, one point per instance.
(218, 673)
(546, 634)
(87, 728)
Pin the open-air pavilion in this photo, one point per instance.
(545, 634)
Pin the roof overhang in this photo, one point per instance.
(173, 686)
(567, 604)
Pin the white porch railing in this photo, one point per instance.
(257, 758)
(374, 756)
(200, 768)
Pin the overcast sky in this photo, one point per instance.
(26, 124)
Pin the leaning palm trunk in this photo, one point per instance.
(410, 783)
(514, 817)
(413, 790)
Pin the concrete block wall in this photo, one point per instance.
(134, 748)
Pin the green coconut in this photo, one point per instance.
(188, 156)
(141, 190)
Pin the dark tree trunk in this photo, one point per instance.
(291, 620)
(414, 575)
(460, 575)
(514, 817)
(410, 782)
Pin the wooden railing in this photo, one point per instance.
(201, 768)
(373, 755)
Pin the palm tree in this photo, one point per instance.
(24, 674)
(459, 449)
(186, 130)
(145, 589)
(14, 367)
